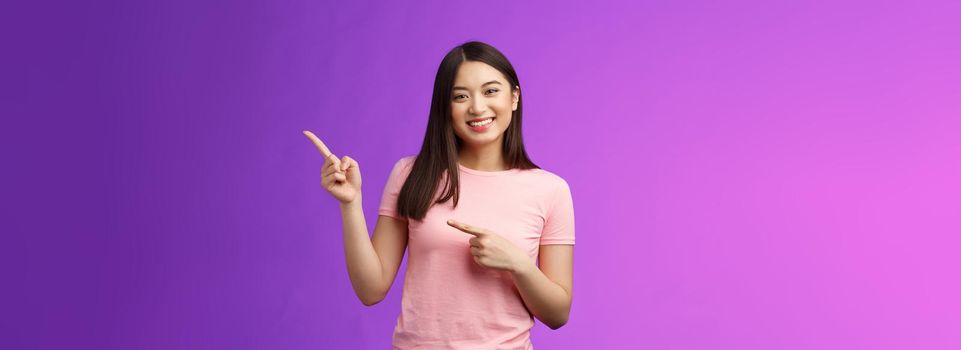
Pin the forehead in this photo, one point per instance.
(473, 74)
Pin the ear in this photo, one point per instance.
(516, 97)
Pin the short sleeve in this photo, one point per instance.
(559, 223)
(398, 175)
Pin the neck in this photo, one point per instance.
(484, 158)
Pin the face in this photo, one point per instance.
(481, 94)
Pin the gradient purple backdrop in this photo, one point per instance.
(746, 175)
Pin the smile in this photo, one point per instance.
(481, 125)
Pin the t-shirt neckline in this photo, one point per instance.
(486, 173)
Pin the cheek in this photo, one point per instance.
(459, 118)
(506, 103)
(458, 112)
(507, 111)
(506, 122)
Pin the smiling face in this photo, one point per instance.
(482, 103)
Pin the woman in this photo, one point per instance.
(475, 214)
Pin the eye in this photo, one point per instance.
(492, 90)
(457, 97)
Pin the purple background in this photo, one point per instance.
(746, 175)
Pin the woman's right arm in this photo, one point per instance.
(372, 263)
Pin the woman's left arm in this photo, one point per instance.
(547, 290)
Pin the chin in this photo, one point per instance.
(480, 139)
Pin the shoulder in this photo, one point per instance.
(550, 184)
(404, 162)
(549, 177)
(407, 159)
(401, 169)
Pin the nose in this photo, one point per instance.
(477, 107)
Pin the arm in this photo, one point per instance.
(372, 266)
(547, 291)
(372, 263)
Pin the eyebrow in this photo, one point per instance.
(485, 84)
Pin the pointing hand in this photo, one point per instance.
(340, 177)
(493, 251)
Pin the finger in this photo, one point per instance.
(353, 163)
(474, 241)
(465, 228)
(328, 182)
(475, 251)
(345, 163)
(333, 167)
(340, 177)
(320, 144)
(332, 162)
(330, 170)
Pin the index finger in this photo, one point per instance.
(476, 231)
(317, 142)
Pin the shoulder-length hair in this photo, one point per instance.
(441, 146)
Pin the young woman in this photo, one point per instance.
(489, 234)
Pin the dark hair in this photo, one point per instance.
(440, 149)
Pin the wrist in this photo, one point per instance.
(356, 203)
(524, 268)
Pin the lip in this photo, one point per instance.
(483, 127)
(482, 118)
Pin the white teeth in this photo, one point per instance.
(485, 122)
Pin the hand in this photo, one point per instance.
(493, 251)
(340, 177)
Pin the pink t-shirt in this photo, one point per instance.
(450, 302)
